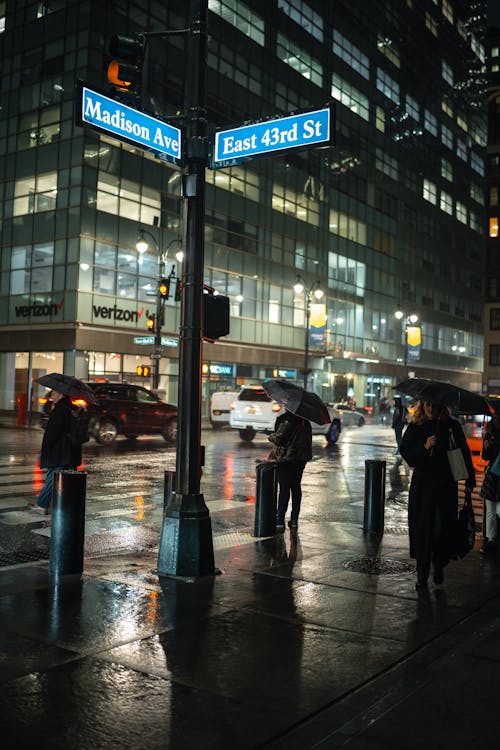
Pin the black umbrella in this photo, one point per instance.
(69, 385)
(295, 399)
(458, 399)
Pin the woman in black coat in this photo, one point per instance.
(57, 452)
(433, 503)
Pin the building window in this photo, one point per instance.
(387, 86)
(304, 15)
(462, 122)
(380, 119)
(387, 48)
(431, 23)
(477, 163)
(350, 97)
(429, 191)
(461, 149)
(347, 226)
(493, 226)
(474, 222)
(446, 107)
(495, 319)
(412, 107)
(476, 193)
(35, 194)
(493, 196)
(446, 203)
(461, 212)
(288, 201)
(31, 268)
(386, 164)
(38, 128)
(430, 122)
(446, 136)
(128, 199)
(350, 54)
(3, 5)
(447, 72)
(300, 60)
(237, 180)
(241, 17)
(447, 10)
(446, 170)
(494, 354)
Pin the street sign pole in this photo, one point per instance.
(186, 545)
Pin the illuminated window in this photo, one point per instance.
(380, 119)
(461, 212)
(447, 72)
(446, 107)
(304, 15)
(351, 54)
(446, 203)
(347, 226)
(429, 191)
(288, 201)
(430, 122)
(447, 10)
(494, 196)
(431, 23)
(387, 86)
(35, 194)
(128, 199)
(237, 180)
(446, 170)
(350, 96)
(493, 226)
(387, 47)
(241, 17)
(300, 60)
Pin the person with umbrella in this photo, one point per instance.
(490, 489)
(57, 452)
(433, 500)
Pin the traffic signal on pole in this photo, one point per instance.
(164, 288)
(178, 290)
(215, 316)
(151, 323)
(143, 371)
(125, 69)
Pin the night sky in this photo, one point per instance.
(493, 13)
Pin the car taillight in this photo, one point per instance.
(276, 407)
(79, 402)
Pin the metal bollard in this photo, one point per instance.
(265, 499)
(68, 524)
(374, 496)
(168, 487)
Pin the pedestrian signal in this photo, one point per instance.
(215, 316)
(178, 290)
(143, 371)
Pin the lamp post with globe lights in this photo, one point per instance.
(409, 320)
(315, 292)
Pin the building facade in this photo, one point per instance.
(388, 218)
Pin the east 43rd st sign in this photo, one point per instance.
(305, 129)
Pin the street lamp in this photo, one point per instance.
(409, 320)
(162, 293)
(314, 292)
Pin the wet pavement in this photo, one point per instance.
(314, 639)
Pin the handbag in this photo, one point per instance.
(495, 466)
(466, 527)
(456, 460)
(489, 487)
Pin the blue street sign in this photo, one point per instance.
(299, 130)
(150, 340)
(127, 124)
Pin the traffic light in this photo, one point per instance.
(125, 69)
(143, 371)
(164, 288)
(178, 290)
(151, 323)
(215, 316)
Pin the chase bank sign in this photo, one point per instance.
(128, 124)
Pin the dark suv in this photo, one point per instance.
(128, 410)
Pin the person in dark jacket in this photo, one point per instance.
(57, 451)
(292, 439)
(433, 501)
(399, 420)
(490, 491)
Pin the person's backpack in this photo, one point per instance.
(79, 427)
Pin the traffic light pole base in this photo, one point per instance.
(186, 546)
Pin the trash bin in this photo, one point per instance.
(374, 496)
(265, 498)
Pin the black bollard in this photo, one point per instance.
(265, 499)
(374, 496)
(68, 524)
(168, 487)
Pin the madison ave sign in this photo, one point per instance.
(127, 124)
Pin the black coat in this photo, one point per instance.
(432, 486)
(292, 438)
(57, 449)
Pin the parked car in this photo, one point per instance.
(350, 416)
(253, 411)
(128, 410)
(220, 407)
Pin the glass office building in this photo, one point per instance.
(388, 218)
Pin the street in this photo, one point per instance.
(124, 499)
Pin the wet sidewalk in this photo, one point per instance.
(312, 640)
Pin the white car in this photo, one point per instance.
(220, 407)
(253, 411)
(350, 416)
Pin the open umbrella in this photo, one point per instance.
(458, 399)
(295, 399)
(69, 385)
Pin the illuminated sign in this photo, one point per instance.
(300, 130)
(284, 374)
(127, 124)
(150, 340)
(413, 343)
(216, 369)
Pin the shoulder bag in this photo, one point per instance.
(456, 460)
(466, 527)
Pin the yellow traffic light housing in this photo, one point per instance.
(151, 322)
(164, 288)
(125, 69)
